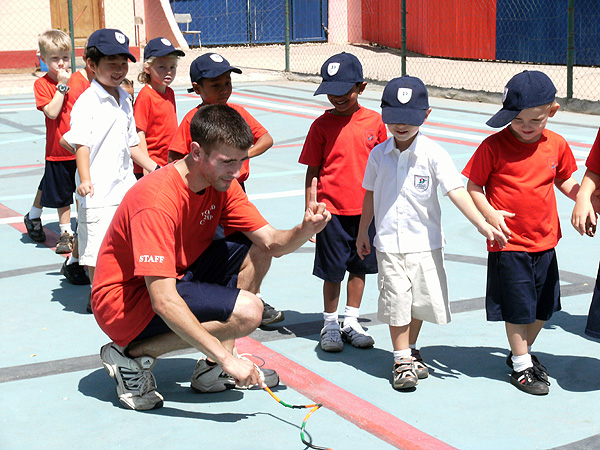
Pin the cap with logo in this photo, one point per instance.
(527, 89)
(110, 41)
(340, 73)
(160, 46)
(405, 100)
(209, 65)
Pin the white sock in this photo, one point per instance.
(412, 346)
(35, 213)
(400, 354)
(331, 319)
(522, 362)
(64, 228)
(350, 315)
(72, 260)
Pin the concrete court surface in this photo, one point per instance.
(55, 394)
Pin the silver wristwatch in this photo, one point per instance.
(62, 88)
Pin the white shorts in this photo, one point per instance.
(412, 285)
(92, 224)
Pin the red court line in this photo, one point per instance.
(51, 236)
(361, 413)
(28, 166)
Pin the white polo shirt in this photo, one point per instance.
(108, 129)
(408, 217)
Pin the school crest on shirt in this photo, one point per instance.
(421, 183)
(552, 164)
(370, 138)
(333, 68)
(404, 95)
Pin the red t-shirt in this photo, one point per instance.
(340, 146)
(156, 115)
(182, 139)
(593, 159)
(44, 89)
(519, 178)
(160, 228)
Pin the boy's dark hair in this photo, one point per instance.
(220, 124)
(94, 54)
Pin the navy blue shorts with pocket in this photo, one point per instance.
(336, 254)
(58, 184)
(593, 322)
(522, 287)
(209, 286)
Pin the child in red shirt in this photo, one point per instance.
(336, 151)
(55, 94)
(154, 109)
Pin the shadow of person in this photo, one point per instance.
(73, 298)
(574, 324)
(173, 379)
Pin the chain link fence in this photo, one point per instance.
(459, 48)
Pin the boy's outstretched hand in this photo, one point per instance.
(363, 246)
(494, 235)
(316, 215)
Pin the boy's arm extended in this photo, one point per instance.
(583, 218)
(363, 244)
(264, 143)
(464, 202)
(143, 147)
(52, 109)
(64, 144)
(140, 157)
(82, 158)
(492, 216)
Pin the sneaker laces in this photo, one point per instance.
(142, 381)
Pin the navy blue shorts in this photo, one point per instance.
(522, 287)
(209, 287)
(58, 184)
(336, 254)
(593, 322)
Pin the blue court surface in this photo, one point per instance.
(54, 393)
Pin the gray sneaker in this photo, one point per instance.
(420, 368)
(136, 386)
(404, 375)
(355, 335)
(211, 378)
(331, 339)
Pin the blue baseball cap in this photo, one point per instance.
(209, 65)
(527, 89)
(405, 100)
(340, 73)
(160, 46)
(110, 41)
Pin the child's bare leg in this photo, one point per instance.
(37, 201)
(64, 215)
(400, 337)
(331, 296)
(517, 338)
(356, 288)
(91, 270)
(533, 330)
(414, 330)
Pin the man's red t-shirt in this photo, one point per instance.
(182, 139)
(160, 228)
(44, 89)
(593, 159)
(519, 178)
(340, 146)
(156, 115)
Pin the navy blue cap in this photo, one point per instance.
(340, 73)
(209, 65)
(160, 46)
(110, 41)
(405, 100)
(527, 89)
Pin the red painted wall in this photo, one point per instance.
(448, 28)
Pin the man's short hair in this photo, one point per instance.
(53, 40)
(220, 124)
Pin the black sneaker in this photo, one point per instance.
(270, 315)
(526, 381)
(75, 273)
(539, 369)
(64, 244)
(35, 230)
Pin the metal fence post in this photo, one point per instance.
(72, 34)
(403, 36)
(570, 48)
(287, 35)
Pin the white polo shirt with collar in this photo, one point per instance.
(108, 129)
(408, 216)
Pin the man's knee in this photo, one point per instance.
(248, 310)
